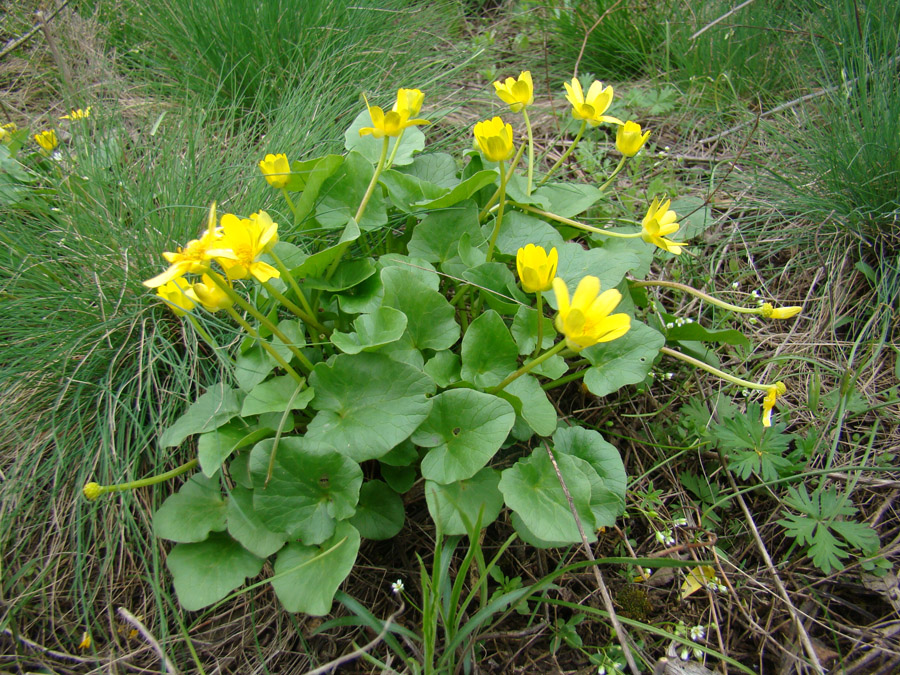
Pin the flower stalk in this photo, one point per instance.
(765, 310)
(555, 349)
(566, 154)
(530, 150)
(761, 386)
(252, 332)
(94, 490)
(504, 177)
(575, 223)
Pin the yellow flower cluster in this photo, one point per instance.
(584, 320)
(399, 118)
(235, 244)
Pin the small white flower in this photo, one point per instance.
(669, 376)
(745, 393)
(684, 653)
(698, 632)
(736, 285)
(601, 670)
(753, 320)
(679, 321)
(397, 586)
(755, 294)
(670, 325)
(679, 522)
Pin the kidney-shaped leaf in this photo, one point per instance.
(213, 409)
(623, 361)
(189, 515)
(374, 330)
(451, 506)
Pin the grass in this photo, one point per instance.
(92, 368)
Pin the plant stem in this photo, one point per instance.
(152, 480)
(715, 371)
(263, 320)
(565, 379)
(555, 349)
(362, 205)
(205, 335)
(566, 154)
(290, 203)
(306, 318)
(699, 294)
(575, 223)
(390, 159)
(251, 331)
(285, 272)
(614, 173)
(490, 203)
(530, 150)
(540, 326)
(504, 176)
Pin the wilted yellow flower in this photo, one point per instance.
(243, 241)
(391, 123)
(586, 320)
(494, 139)
(178, 295)
(536, 267)
(47, 139)
(276, 169)
(85, 641)
(629, 139)
(590, 109)
(7, 130)
(659, 222)
(77, 114)
(211, 295)
(770, 312)
(92, 491)
(409, 100)
(516, 93)
(776, 390)
(193, 258)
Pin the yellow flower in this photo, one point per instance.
(276, 169)
(391, 123)
(178, 295)
(495, 139)
(629, 140)
(7, 130)
(77, 114)
(536, 268)
(770, 312)
(409, 100)
(590, 109)
(659, 222)
(47, 139)
(517, 94)
(776, 390)
(586, 320)
(92, 491)
(243, 241)
(85, 641)
(193, 258)
(210, 295)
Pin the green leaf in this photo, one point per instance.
(364, 297)
(311, 488)
(190, 514)
(569, 199)
(431, 319)
(349, 273)
(412, 141)
(317, 264)
(608, 487)
(309, 176)
(453, 506)
(444, 368)
(626, 360)
(694, 217)
(464, 430)
(405, 191)
(495, 282)
(374, 330)
(524, 330)
(206, 572)
(532, 490)
(534, 406)
(343, 191)
(379, 514)
(213, 409)
(274, 394)
(638, 252)
(247, 528)
(436, 238)
(252, 367)
(307, 577)
(489, 353)
(420, 268)
(215, 446)
(697, 333)
(367, 403)
(519, 229)
(292, 329)
(463, 191)
(437, 168)
(400, 478)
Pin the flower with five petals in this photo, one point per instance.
(586, 320)
(590, 108)
(243, 241)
